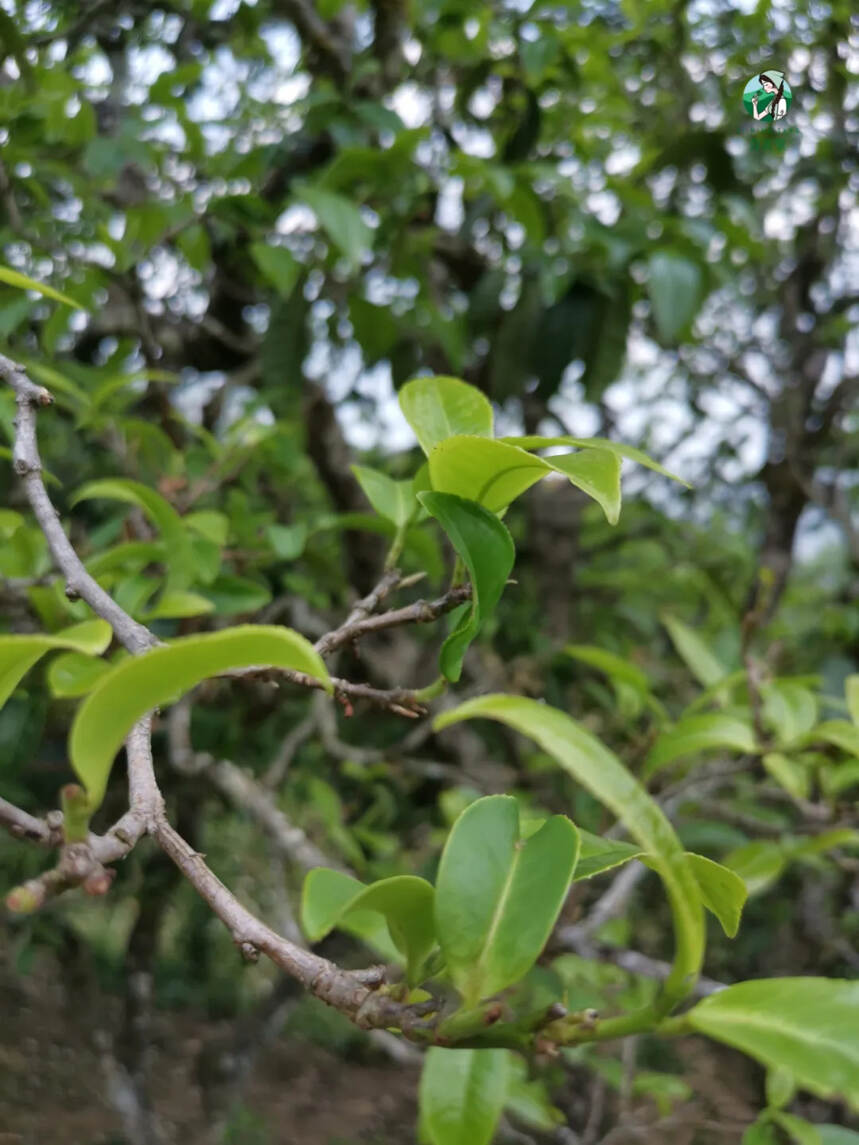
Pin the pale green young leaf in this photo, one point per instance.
(161, 676)
(494, 473)
(805, 1025)
(629, 452)
(722, 890)
(462, 1094)
(486, 548)
(602, 773)
(330, 898)
(441, 407)
(497, 896)
(392, 499)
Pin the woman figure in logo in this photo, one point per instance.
(772, 83)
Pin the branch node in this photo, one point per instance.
(248, 951)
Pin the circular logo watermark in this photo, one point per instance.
(767, 96)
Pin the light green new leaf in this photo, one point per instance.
(341, 220)
(18, 654)
(322, 909)
(602, 773)
(675, 286)
(722, 890)
(438, 408)
(498, 897)
(851, 694)
(486, 548)
(698, 658)
(806, 1025)
(24, 282)
(330, 898)
(598, 855)
(630, 452)
(700, 733)
(179, 554)
(495, 473)
(392, 499)
(75, 674)
(161, 676)
(462, 1094)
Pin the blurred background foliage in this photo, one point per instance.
(270, 216)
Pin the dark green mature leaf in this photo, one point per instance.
(162, 676)
(675, 286)
(18, 654)
(486, 548)
(438, 408)
(497, 896)
(179, 554)
(602, 773)
(406, 902)
(462, 1095)
(805, 1025)
(722, 890)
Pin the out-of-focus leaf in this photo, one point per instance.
(24, 282)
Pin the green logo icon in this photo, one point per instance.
(767, 96)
